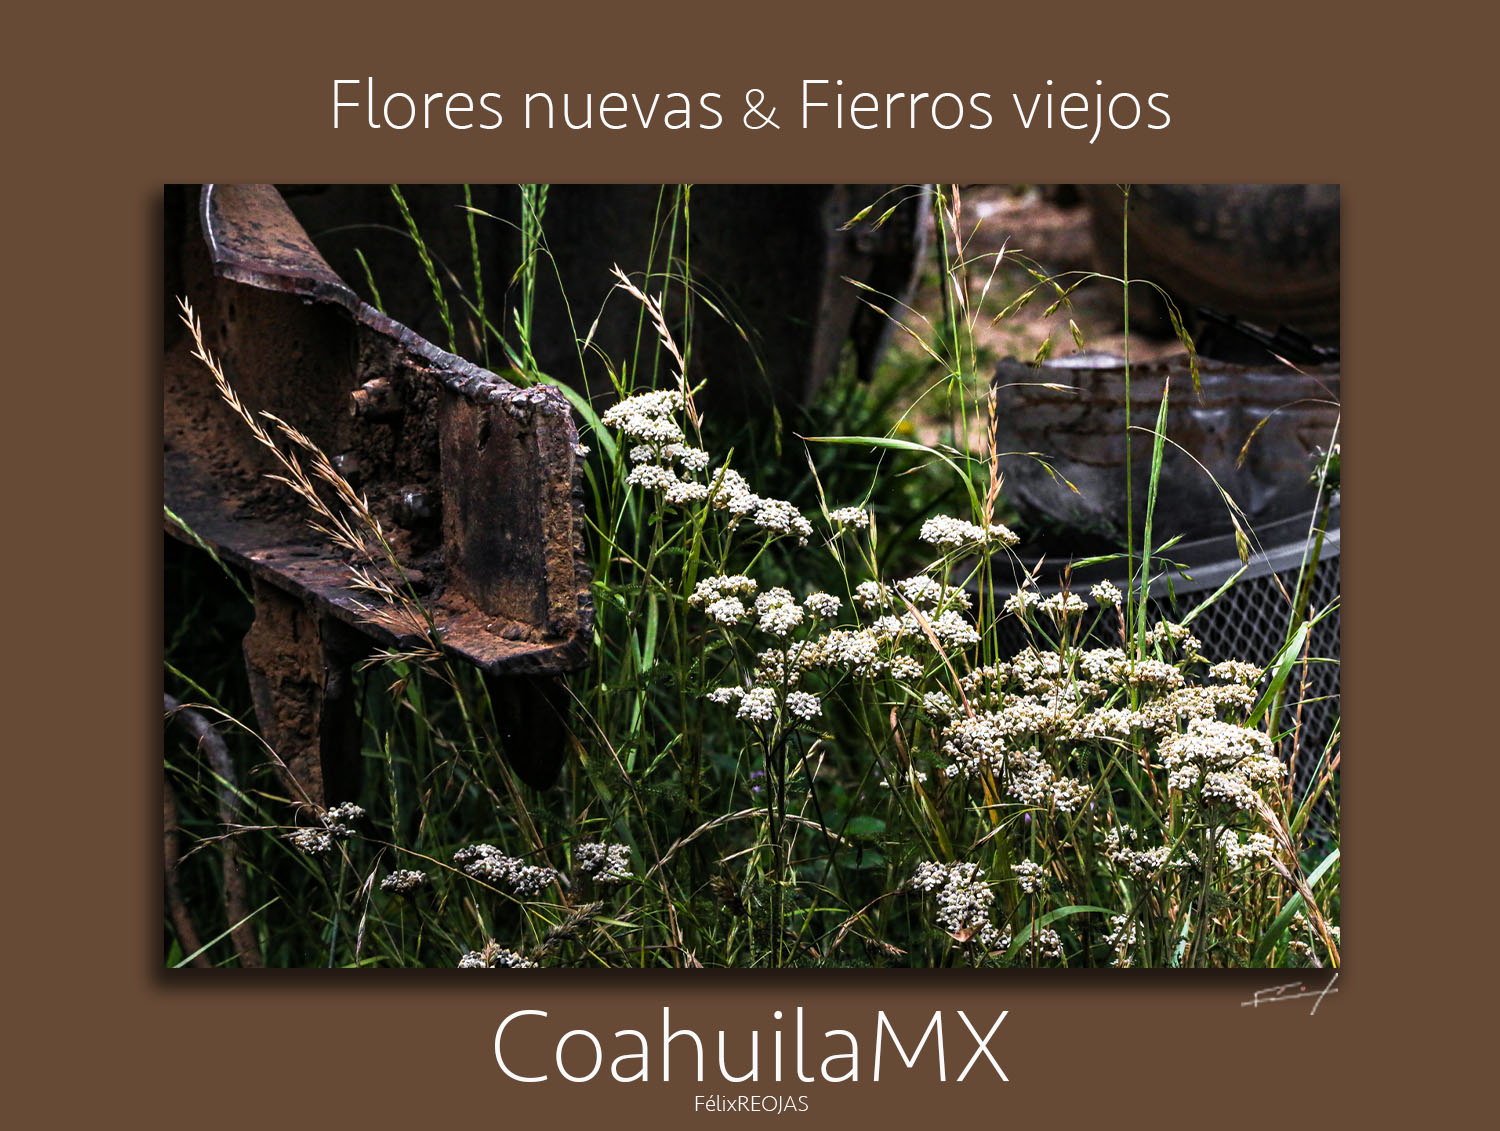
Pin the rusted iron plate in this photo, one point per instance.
(477, 481)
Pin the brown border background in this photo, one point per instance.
(106, 108)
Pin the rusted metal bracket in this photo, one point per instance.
(477, 482)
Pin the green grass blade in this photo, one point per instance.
(225, 934)
(1288, 913)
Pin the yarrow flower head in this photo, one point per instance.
(1061, 606)
(758, 705)
(486, 862)
(779, 613)
(824, 606)
(1106, 595)
(494, 957)
(964, 900)
(804, 705)
(1031, 876)
(856, 517)
(313, 842)
(648, 417)
(603, 863)
(950, 533)
(1021, 601)
(711, 589)
(727, 611)
(334, 820)
(404, 882)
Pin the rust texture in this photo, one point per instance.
(299, 666)
(476, 481)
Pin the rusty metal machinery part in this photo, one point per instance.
(477, 481)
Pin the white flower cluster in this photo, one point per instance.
(1142, 863)
(1229, 760)
(334, 820)
(1045, 943)
(1031, 781)
(1255, 846)
(1106, 595)
(602, 862)
(1061, 606)
(313, 842)
(1021, 601)
(974, 744)
(948, 533)
(778, 611)
(804, 705)
(719, 597)
(856, 517)
(1030, 876)
(1146, 673)
(781, 517)
(486, 862)
(689, 459)
(824, 606)
(730, 491)
(964, 901)
(711, 589)
(727, 611)
(953, 631)
(494, 957)
(674, 491)
(1168, 632)
(929, 593)
(1120, 939)
(404, 881)
(758, 705)
(938, 704)
(660, 453)
(648, 417)
(870, 595)
(1235, 671)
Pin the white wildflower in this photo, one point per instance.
(404, 881)
(1031, 876)
(850, 516)
(727, 610)
(950, 533)
(1106, 595)
(1235, 671)
(487, 863)
(804, 705)
(1061, 606)
(710, 589)
(779, 613)
(603, 863)
(313, 842)
(824, 606)
(758, 705)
